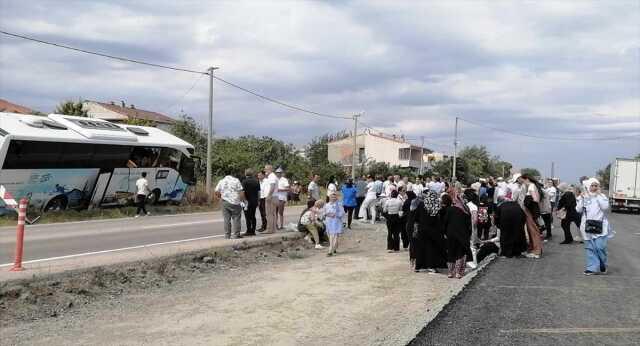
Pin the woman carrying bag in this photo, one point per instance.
(595, 228)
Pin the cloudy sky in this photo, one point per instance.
(568, 69)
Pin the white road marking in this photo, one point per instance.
(572, 330)
(113, 250)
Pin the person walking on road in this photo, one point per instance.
(349, 202)
(361, 192)
(333, 214)
(313, 189)
(264, 189)
(251, 188)
(271, 199)
(142, 184)
(566, 212)
(232, 194)
(370, 201)
(595, 227)
(283, 193)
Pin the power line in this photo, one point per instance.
(109, 56)
(197, 79)
(280, 102)
(100, 54)
(550, 137)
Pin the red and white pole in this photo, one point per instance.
(22, 215)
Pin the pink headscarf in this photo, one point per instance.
(458, 202)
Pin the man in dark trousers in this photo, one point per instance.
(251, 188)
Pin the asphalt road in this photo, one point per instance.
(549, 301)
(55, 240)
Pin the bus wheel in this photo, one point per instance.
(56, 204)
(154, 198)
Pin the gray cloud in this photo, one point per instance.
(546, 68)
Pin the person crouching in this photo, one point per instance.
(310, 221)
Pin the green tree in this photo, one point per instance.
(531, 172)
(187, 129)
(139, 122)
(71, 108)
(604, 175)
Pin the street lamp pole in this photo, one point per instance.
(210, 133)
(354, 160)
(455, 152)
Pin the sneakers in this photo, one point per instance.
(148, 213)
(137, 215)
(532, 255)
(566, 242)
(318, 246)
(588, 272)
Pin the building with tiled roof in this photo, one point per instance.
(122, 113)
(8, 107)
(374, 146)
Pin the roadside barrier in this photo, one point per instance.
(22, 215)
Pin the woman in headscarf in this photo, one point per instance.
(566, 212)
(429, 245)
(408, 219)
(595, 227)
(510, 220)
(457, 227)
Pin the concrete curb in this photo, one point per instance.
(82, 264)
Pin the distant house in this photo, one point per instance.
(8, 107)
(122, 113)
(379, 147)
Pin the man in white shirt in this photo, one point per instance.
(271, 199)
(232, 194)
(142, 185)
(370, 201)
(417, 187)
(283, 192)
(313, 189)
(437, 186)
(264, 188)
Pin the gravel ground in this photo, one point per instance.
(362, 296)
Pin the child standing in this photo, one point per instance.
(485, 214)
(333, 213)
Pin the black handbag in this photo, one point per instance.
(591, 226)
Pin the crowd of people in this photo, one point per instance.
(441, 224)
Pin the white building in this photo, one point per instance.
(379, 147)
(121, 113)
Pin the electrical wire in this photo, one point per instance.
(280, 102)
(550, 137)
(197, 79)
(109, 56)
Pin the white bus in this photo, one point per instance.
(61, 161)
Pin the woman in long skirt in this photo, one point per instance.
(457, 226)
(333, 212)
(429, 246)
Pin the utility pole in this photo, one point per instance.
(421, 154)
(210, 133)
(354, 158)
(553, 168)
(455, 152)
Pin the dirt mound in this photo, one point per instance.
(52, 296)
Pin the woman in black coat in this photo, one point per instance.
(430, 245)
(457, 227)
(568, 203)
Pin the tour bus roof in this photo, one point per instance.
(18, 126)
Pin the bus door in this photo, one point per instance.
(100, 190)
